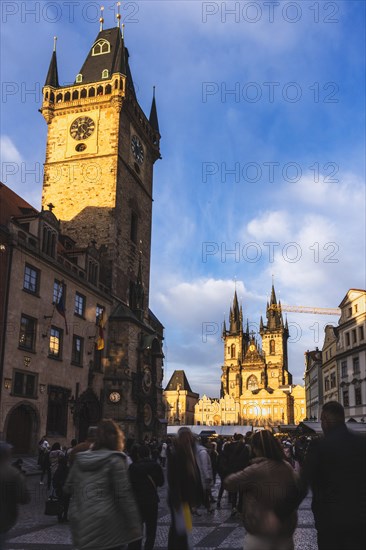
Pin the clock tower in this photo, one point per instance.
(100, 154)
(101, 149)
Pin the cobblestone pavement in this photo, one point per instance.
(35, 531)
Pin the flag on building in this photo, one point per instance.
(60, 305)
(99, 343)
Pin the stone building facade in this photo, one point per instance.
(98, 185)
(180, 400)
(338, 373)
(256, 385)
(53, 304)
(351, 354)
(313, 383)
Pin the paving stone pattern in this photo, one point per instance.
(35, 531)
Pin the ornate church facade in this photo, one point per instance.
(256, 385)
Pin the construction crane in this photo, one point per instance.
(309, 309)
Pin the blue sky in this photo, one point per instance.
(262, 114)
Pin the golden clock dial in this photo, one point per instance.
(82, 128)
(114, 397)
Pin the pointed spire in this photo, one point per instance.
(52, 75)
(224, 328)
(273, 296)
(247, 331)
(153, 118)
(120, 63)
(261, 324)
(235, 324)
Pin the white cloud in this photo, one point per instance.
(9, 151)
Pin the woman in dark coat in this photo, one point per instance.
(146, 476)
(103, 511)
(184, 488)
(271, 495)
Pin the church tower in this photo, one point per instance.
(235, 346)
(274, 343)
(101, 149)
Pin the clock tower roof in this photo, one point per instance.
(153, 119)
(52, 75)
(107, 53)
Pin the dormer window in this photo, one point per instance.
(101, 47)
(105, 73)
(79, 78)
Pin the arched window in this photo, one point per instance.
(79, 78)
(67, 96)
(75, 95)
(92, 92)
(252, 383)
(108, 89)
(101, 47)
(233, 350)
(272, 347)
(105, 73)
(83, 93)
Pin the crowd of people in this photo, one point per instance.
(108, 488)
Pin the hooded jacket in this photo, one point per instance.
(103, 511)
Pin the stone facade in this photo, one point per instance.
(51, 371)
(351, 354)
(98, 183)
(329, 371)
(338, 373)
(256, 386)
(180, 400)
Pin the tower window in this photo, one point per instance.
(79, 78)
(272, 347)
(233, 350)
(105, 73)
(101, 47)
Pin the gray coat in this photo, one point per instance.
(103, 511)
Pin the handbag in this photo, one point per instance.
(52, 506)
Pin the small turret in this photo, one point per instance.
(52, 75)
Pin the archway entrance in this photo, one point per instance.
(21, 429)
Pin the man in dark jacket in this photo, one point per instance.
(146, 475)
(335, 469)
(13, 491)
(238, 459)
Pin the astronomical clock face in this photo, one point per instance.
(146, 380)
(147, 415)
(114, 397)
(137, 149)
(252, 347)
(82, 128)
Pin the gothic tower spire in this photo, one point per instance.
(52, 75)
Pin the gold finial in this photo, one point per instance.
(101, 18)
(123, 30)
(118, 16)
(54, 43)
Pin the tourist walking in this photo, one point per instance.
(184, 488)
(146, 476)
(270, 496)
(13, 491)
(335, 469)
(103, 512)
